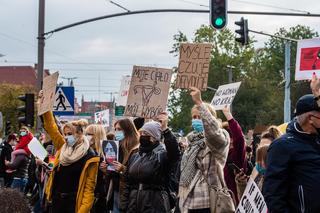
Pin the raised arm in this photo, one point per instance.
(170, 141)
(239, 153)
(52, 129)
(216, 137)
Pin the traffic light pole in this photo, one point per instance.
(175, 11)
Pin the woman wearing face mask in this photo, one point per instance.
(203, 161)
(148, 170)
(20, 160)
(128, 137)
(70, 187)
(257, 174)
(95, 134)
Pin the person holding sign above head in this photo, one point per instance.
(70, 187)
(128, 137)
(237, 150)
(292, 181)
(148, 171)
(203, 162)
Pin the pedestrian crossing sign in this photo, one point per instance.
(64, 101)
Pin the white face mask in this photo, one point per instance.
(70, 140)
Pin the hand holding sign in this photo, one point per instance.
(163, 119)
(196, 95)
(315, 85)
(227, 113)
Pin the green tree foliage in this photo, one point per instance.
(261, 71)
(9, 102)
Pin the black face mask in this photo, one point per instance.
(145, 140)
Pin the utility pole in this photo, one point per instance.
(287, 101)
(229, 70)
(230, 78)
(41, 43)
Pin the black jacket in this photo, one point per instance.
(147, 178)
(21, 165)
(292, 181)
(5, 150)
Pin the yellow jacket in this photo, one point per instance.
(88, 177)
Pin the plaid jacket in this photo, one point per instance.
(209, 161)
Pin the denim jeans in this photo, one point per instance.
(19, 183)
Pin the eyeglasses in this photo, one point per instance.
(68, 133)
(90, 134)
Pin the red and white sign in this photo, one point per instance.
(308, 58)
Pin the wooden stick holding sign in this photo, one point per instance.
(49, 90)
(148, 93)
(193, 66)
(224, 95)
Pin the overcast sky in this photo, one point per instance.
(99, 53)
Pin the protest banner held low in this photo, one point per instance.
(148, 93)
(252, 200)
(308, 58)
(111, 152)
(193, 66)
(37, 149)
(224, 95)
(49, 90)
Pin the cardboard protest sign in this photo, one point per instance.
(308, 58)
(148, 93)
(111, 153)
(49, 90)
(252, 200)
(193, 66)
(225, 95)
(37, 149)
(124, 91)
(102, 118)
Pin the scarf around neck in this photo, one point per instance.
(71, 154)
(188, 163)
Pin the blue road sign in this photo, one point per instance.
(64, 101)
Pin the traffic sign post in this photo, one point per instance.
(64, 101)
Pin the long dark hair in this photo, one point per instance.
(131, 137)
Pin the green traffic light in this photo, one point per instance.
(219, 21)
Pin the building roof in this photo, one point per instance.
(21, 75)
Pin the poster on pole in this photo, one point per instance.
(308, 59)
(111, 152)
(37, 149)
(102, 117)
(252, 200)
(193, 66)
(49, 90)
(224, 95)
(124, 91)
(148, 93)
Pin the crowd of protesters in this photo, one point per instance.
(155, 171)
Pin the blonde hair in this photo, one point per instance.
(77, 127)
(99, 134)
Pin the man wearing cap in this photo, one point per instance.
(292, 181)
